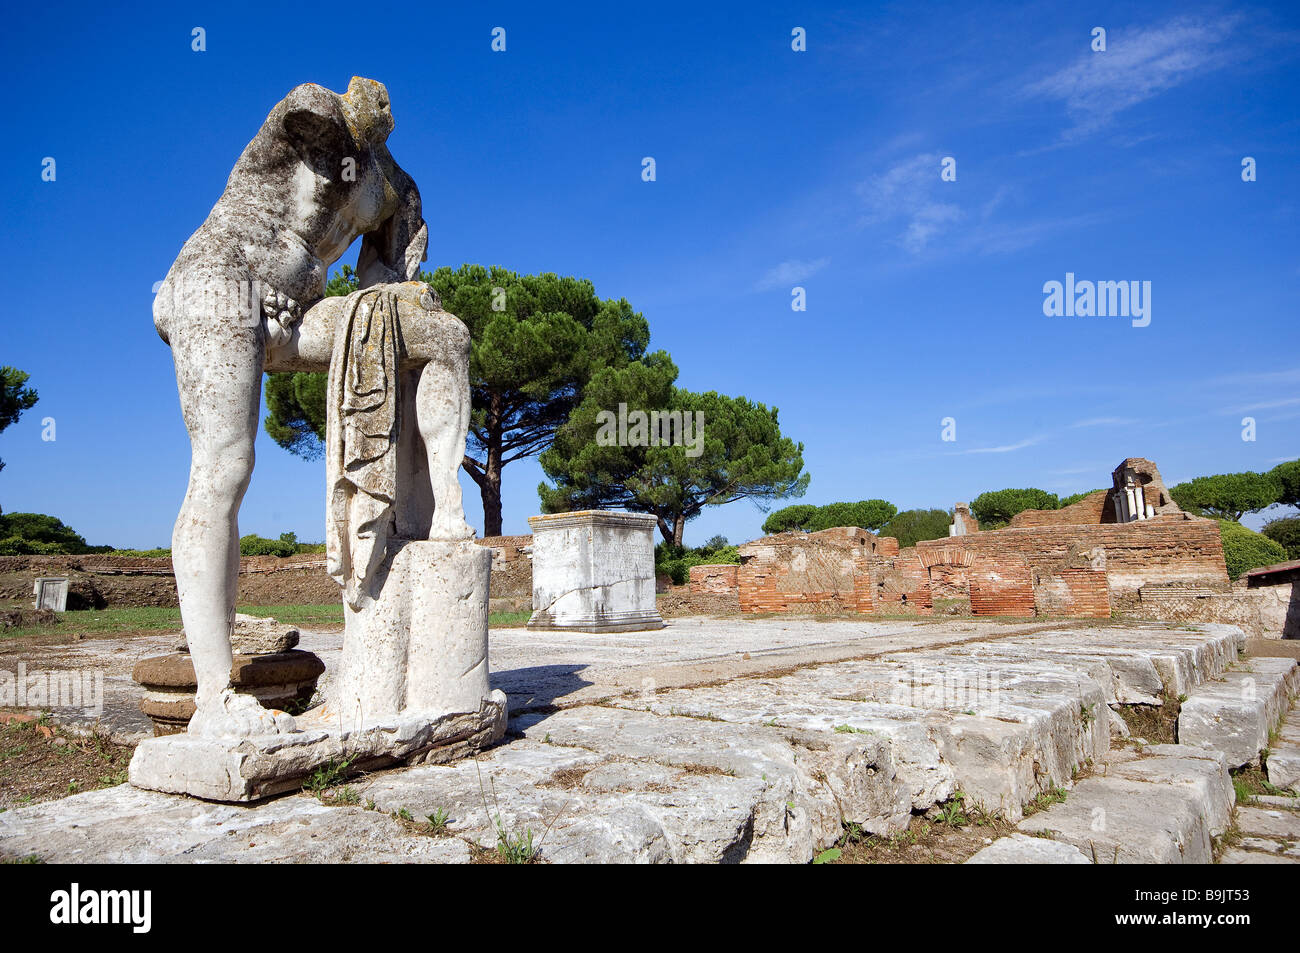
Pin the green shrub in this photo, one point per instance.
(676, 561)
(995, 508)
(254, 545)
(25, 534)
(911, 526)
(789, 518)
(1286, 533)
(1073, 498)
(1244, 549)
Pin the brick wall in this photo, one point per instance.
(1001, 584)
(1087, 511)
(714, 579)
(800, 570)
(506, 548)
(1077, 593)
(896, 584)
(1163, 549)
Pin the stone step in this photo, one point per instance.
(127, 825)
(1164, 804)
(1000, 733)
(1282, 765)
(1268, 834)
(1023, 849)
(1236, 712)
(813, 781)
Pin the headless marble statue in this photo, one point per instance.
(246, 295)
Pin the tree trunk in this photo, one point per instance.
(665, 529)
(679, 528)
(490, 487)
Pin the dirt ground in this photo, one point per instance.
(678, 601)
(41, 762)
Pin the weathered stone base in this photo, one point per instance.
(636, 620)
(248, 769)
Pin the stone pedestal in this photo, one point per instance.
(51, 593)
(278, 680)
(421, 646)
(412, 688)
(594, 571)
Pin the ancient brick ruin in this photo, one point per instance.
(718, 579)
(1078, 561)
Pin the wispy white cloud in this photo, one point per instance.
(1265, 405)
(1005, 448)
(1104, 422)
(1139, 63)
(789, 273)
(908, 194)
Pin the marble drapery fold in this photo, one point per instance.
(364, 418)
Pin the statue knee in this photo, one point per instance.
(220, 478)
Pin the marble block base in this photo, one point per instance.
(593, 571)
(248, 769)
(412, 688)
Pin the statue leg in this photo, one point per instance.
(219, 376)
(442, 407)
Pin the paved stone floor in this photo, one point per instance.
(744, 740)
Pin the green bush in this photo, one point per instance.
(911, 526)
(789, 518)
(1228, 495)
(995, 508)
(676, 561)
(1286, 533)
(25, 534)
(254, 545)
(1244, 549)
(1073, 498)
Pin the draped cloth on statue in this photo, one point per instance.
(363, 421)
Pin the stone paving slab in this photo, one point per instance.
(1236, 712)
(1161, 807)
(126, 825)
(1269, 822)
(1236, 855)
(621, 752)
(1023, 849)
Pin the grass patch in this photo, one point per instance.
(1045, 800)
(1158, 724)
(326, 776)
(98, 622)
(508, 618)
(1250, 782)
(957, 832)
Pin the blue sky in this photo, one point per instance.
(775, 168)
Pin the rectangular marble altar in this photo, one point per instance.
(593, 571)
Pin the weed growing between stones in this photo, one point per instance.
(955, 831)
(512, 846)
(327, 776)
(1250, 782)
(1157, 724)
